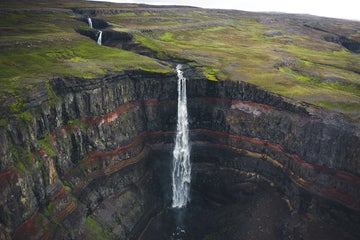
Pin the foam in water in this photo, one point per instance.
(99, 38)
(181, 155)
(90, 22)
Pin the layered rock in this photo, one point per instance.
(83, 164)
(78, 154)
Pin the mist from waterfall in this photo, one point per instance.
(99, 40)
(90, 22)
(181, 172)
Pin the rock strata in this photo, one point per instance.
(84, 163)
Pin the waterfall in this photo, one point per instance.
(99, 38)
(181, 155)
(90, 22)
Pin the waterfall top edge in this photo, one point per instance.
(178, 67)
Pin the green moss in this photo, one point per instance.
(167, 36)
(4, 122)
(48, 211)
(66, 186)
(15, 107)
(52, 95)
(45, 144)
(94, 231)
(347, 106)
(23, 158)
(77, 122)
(21, 166)
(210, 73)
(25, 115)
(126, 14)
(317, 81)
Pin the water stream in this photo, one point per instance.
(99, 40)
(181, 170)
(90, 22)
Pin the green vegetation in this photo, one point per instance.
(49, 212)
(317, 81)
(79, 123)
(274, 52)
(340, 105)
(210, 73)
(95, 231)
(45, 143)
(3, 122)
(39, 45)
(23, 158)
(311, 70)
(80, 57)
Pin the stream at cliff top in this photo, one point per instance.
(99, 40)
(90, 22)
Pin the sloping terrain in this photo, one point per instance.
(307, 58)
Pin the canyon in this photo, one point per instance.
(86, 139)
(99, 169)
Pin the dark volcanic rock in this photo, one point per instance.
(90, 160)
(352, 45)
(109, 37)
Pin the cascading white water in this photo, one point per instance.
(181, 171)
(90, 22)
(99, 38)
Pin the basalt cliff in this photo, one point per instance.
(99, 169)
(89, 157)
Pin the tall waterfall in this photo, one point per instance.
(99, 38)
(90, 22)
(181, 155)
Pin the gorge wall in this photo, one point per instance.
(81, 164)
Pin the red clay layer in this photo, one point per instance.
(28, 229)
(8, 178)
(277, 147)
(329, 171)
(312, 186)
(115, 114)
(233, 102)
(92, 120)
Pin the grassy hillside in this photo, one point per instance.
(39, 42)
(302, 57)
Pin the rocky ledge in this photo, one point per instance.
(83, 164)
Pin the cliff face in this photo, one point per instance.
(84, 154)
(83, 163)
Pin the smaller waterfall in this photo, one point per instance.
(99, 38)
(90, 22)
(181, 171)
